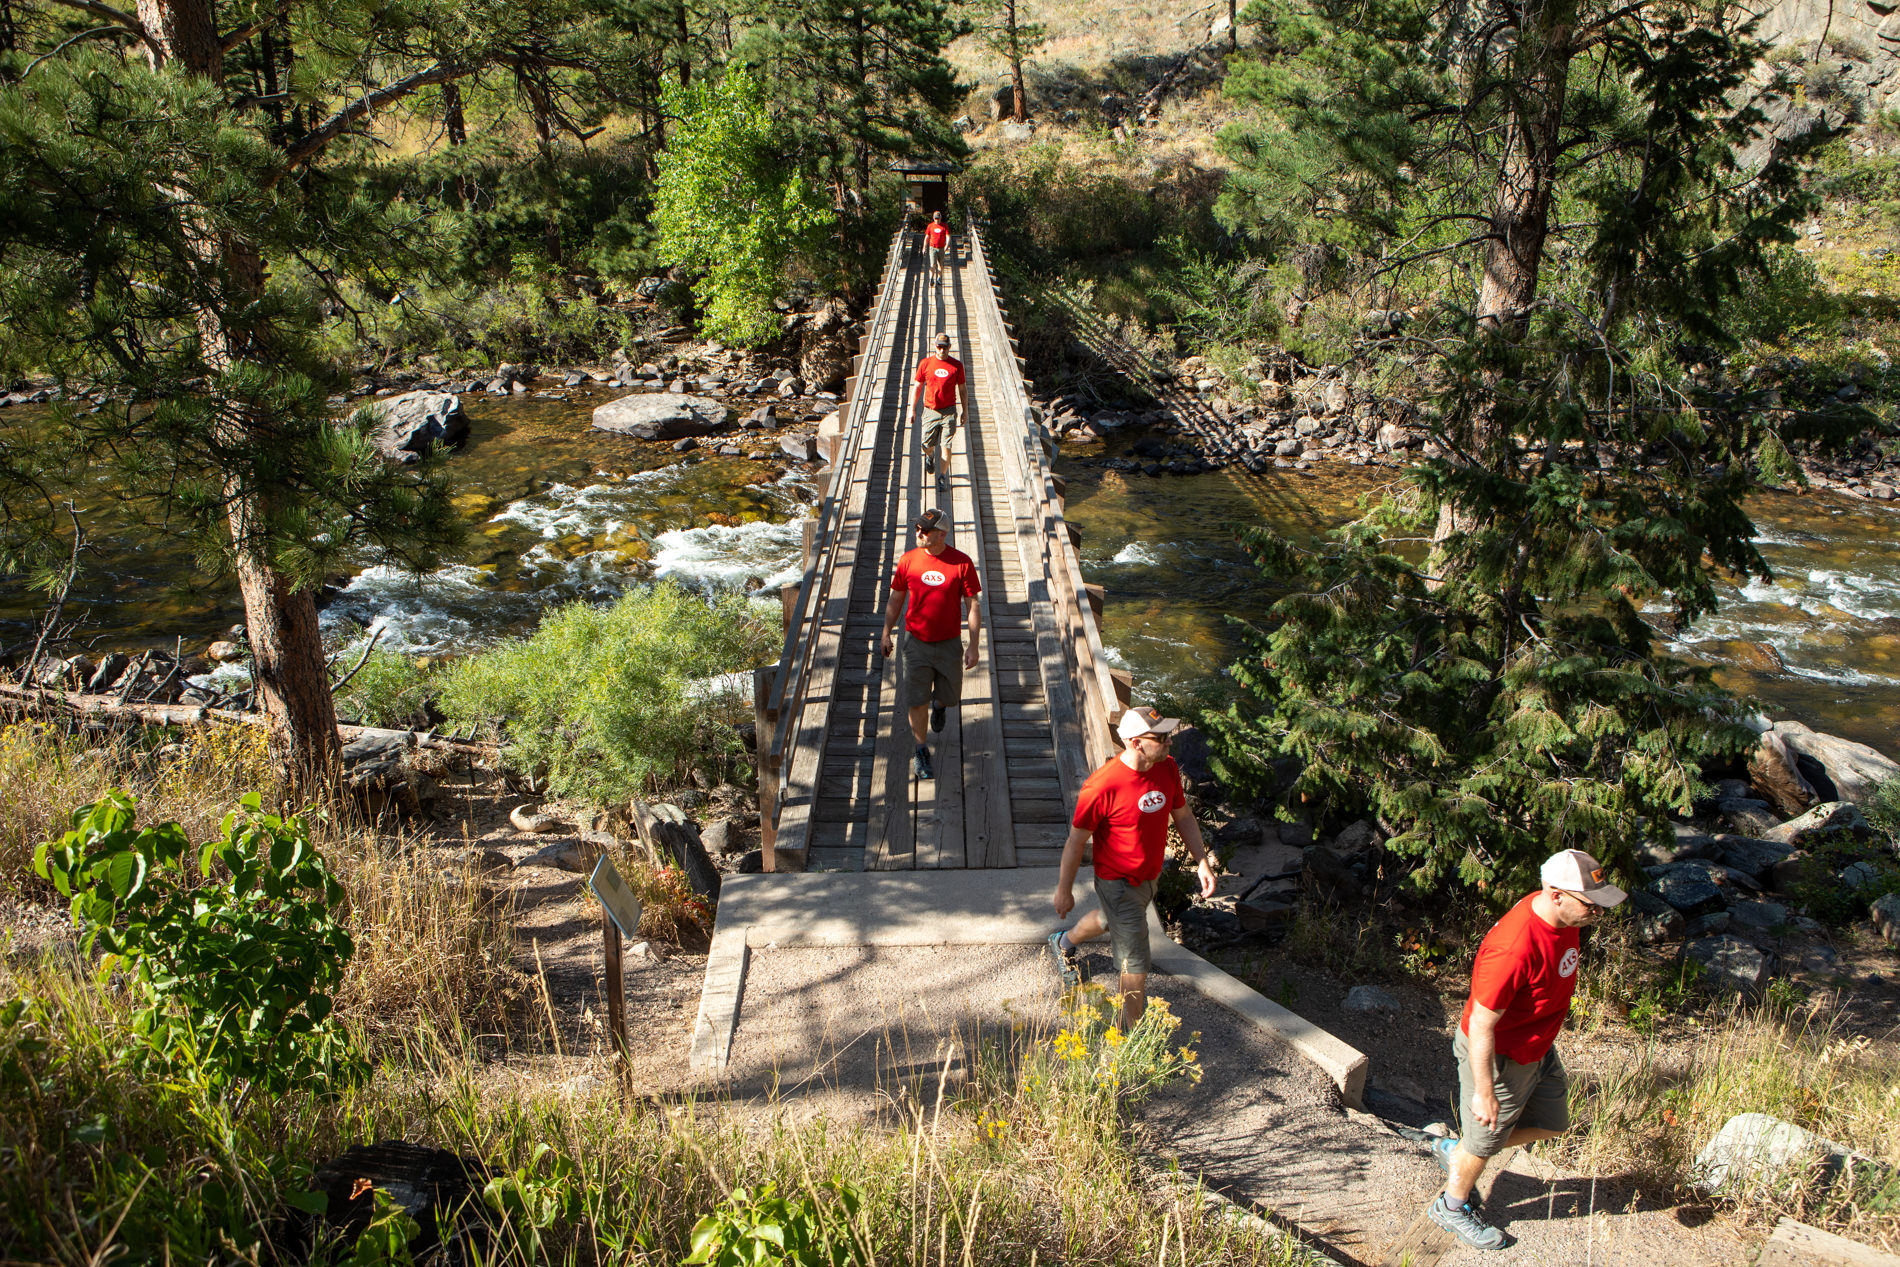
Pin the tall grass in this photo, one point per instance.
(1651, 1110)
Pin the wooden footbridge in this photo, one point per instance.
(836, 787)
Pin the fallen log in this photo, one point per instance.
(42, 702)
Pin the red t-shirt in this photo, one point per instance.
(1129, 811)
(937, 235)
(1527, 970)
(937, 585)
(940, 376)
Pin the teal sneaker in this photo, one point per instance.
(1068, 962)
(1463, 1221)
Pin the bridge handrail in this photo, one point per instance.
(795, 657)
(1024, 439)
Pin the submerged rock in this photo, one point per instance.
(646, 416)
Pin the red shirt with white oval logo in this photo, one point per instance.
(940, 376)
(1128, 811)
(937, 585)
(937, 235)
(1527, 970)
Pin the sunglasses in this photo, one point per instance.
(1593, 908)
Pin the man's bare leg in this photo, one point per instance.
(1134, 984)
(919, 719)
(1466, 1168)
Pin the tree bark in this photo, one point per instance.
(281, 621)
(1020, 105)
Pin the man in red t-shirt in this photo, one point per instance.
(940, 586)
(1125, 807)
(937, 244)
(1511, 1086)
(939, 389)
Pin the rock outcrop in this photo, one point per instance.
(661, 416)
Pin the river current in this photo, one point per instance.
(558, 512)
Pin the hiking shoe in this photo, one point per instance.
(936, 718)
(930, 465)
(1463, 1222)
(1068, 963)
(1442, 1149)
(920, 764)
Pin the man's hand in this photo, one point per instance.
(1205, 869)
(886, 646)
(969, 654)
(1484, 1105)
(1065, 901)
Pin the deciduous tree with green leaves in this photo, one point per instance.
(1552, 189)
(731, 205)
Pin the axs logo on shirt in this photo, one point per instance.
(1152, 800)
(933, 577)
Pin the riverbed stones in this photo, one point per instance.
(1749, 817)
(408, 424)
(1730, 963)
(1653, 919)
(1751, 856)
(1757, 917)
(799, 448)
(1830, 821)
(653, 417)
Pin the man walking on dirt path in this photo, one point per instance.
(1512, 1089)
(933, 579)
(940, 401)
(1125, 807)
(937, 246)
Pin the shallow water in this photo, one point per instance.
(560, 512)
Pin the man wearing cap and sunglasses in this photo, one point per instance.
(1125, 807)
(1512, 1088)
(932, 580)
(940, 400)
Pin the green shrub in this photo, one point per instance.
(391, 689)
(237, 975)
(1883, 811)
(1783, 301)
(601, 700)
(1778, 467)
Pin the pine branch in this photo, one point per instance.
(228, 42)
(313, 141)
(117, 17)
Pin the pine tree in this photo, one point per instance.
(1551, 187)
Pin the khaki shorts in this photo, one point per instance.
(933, 671)
(937, 256)
(1535, 1096)
(1125, 911)
(939, 426)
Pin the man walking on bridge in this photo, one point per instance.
(937, 246)
(940, 400)
(1512, 1088)
(933, 579)
(1125, 807)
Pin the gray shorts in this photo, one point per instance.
(937, 255)
(1125, 911)
(1535, 1096)
(939, 426)
(933, 671)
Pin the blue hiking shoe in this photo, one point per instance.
(1068, 962)
(1464, 1222)
(1442, 1149)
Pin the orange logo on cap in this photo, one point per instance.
(1596, 877)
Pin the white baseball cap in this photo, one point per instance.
(1145, 721)
(1577, 872)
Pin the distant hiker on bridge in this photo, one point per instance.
(1512, 1088)
(1125, 807)
(936, 246)
(933, 579)
(941, 400)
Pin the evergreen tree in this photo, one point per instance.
(1551, 185)
(1007, 31)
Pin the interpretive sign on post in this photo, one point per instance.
(620, 914)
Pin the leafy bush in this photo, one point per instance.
(237, 975)
(602, 699)
(756, 1228)
(1778, 467)
(1782, 301)
(391, 689)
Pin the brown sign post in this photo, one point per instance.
(619, 916)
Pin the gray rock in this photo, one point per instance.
(1014, 131)
(1886, 917)
(1298, 833)
(1855, 770)
(1369, 998)
(1287, 448)
(760, 419)
(649, 417)
(572, 854)
(676, 836)
(687, 445)
(1335, 397)
(413, 421)
(1827, 821)
(1731, 963)
(1250, 864)
(1758, 1145)
(1858, 875)
(1821, 959)
(1263, 913)
(1329, 877)
(1688, 893)
(1749, 855)
(1307, 426)
(799, 448)
(1706, 925)
(714, 836)
(1749, 817)
(1356, 839)
(1757, 917)
(1652, 926)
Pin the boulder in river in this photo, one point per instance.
(411, 422)
(1854, 769)
(646, 416)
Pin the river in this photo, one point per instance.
(558, 512)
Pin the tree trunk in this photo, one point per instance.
(454, 123)
(1020, 105)
(1527, 171)
(685, 46)
(9, 38)
(281, 621)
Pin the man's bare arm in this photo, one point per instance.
(973, 620)
(1482, 1039)
(893, 612)
(1071, 863)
